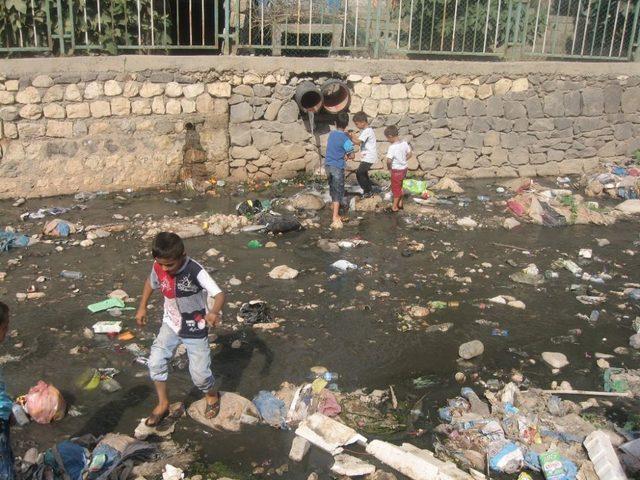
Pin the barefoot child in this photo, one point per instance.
(339, 148)
(397, 162)
(185, 286)
(366, 139)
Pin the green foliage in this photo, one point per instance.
(636, 156)
(17, 20)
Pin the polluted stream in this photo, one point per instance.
(353, 323)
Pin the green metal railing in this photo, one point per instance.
(512, 29)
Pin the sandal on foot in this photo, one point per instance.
(213, 409)
(154, 419)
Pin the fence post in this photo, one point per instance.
(60, 26)
(634, 53)
(376, 40)
(226, 37)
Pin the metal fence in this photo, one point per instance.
(513, 29)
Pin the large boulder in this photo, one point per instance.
(307, 201)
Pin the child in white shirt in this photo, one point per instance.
(366, 140)
(398, 156)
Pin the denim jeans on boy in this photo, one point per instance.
(7, 471)
(335, 176)
(198, 351)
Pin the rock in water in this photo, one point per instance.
(555, 359)
(471, 349)
(307, 201)
(282, 272)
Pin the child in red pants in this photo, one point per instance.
(398, 156)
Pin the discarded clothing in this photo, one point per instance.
(276, 223)
(328, 404)
(234, 412)
(271, 408)
(254, 312)
(59, 228)
(9, 240)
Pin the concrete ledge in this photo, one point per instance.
(343, 66)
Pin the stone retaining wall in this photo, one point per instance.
(68, 127)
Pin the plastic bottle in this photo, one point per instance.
(595, 314)
(19, 414)
(253, 244)
(71, 274)
(330, 376)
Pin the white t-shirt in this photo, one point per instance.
(368, 146)
(398, 153)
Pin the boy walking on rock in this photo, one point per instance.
(339, 148)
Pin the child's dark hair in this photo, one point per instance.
(4, 314)
(391, 131)
(167, 245)
(342, 120)
(360, 117)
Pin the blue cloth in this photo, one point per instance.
(271, 409)
(6, 404)
(9, 240)
(7, 471)
(338, 145)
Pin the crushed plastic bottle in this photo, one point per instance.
(71, 274)
(330, 376)
(595, 314)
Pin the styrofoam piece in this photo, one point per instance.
(351, 466)
(603, 456)
(328, 434)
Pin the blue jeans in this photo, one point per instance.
(7, 471)
(335, 176)
(198, 351)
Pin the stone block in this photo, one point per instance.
(192, 91)
(491, 139)
(263, 140)
(100, 109)
(59, 129)
(428, 161)
(379, 92)
(295, 133)
(623, 131)
(12, 85)
(28, 96)
(240, 113)
(572, 103)
(158, 106)
(450, 92)
(434, 91)
(439, 108)
(53, 110)
(260, 90)
(548, 170)
(612, 98)
(173, 107)
(219, 89)
(450, 145)
(514, 110)
(78, 110)
(554, 104)
(534, 107)
(459, 123)
(93, 90)
(6, 98)
(400, 107)
(417, 91)
(542, 125)
(476, 108)
(288, 113)
(455, 108)
(120, 106)
(419, 105)
(149, 90)
(204, 103)
(502, 86)
(72, 93)
(484, 91)
(474, 140)
(592, 101)
(467, 92)
(519, 156)
(424, 142)
(28, 130)
(31, 112)
(362, 90)
(631, 100)
(42, 81)
(520, 85)
(245, 153)
(53, 94)
(480, 125)
(385, 107)
(251, 79)
(495, 107)
(173, 90)
(131, 89)
(10, 130)
(188, 105)
(112, 88)
(398, 92)
(141, 107)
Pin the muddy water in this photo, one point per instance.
(349, 332)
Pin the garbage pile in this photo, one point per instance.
(531, 430)
(617, 182)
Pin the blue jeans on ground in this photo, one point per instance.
(198, 351)
(7, 471)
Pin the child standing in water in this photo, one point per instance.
(398, 156)
(185, 285)
(366, 140)
(7, 471)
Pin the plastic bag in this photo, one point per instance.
(255, 311)
(45, 403)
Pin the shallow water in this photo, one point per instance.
(349, 332)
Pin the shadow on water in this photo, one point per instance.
(107, 417)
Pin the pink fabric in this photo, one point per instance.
(396, 182)
(328, 404)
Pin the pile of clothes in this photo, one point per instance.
(616, 182)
